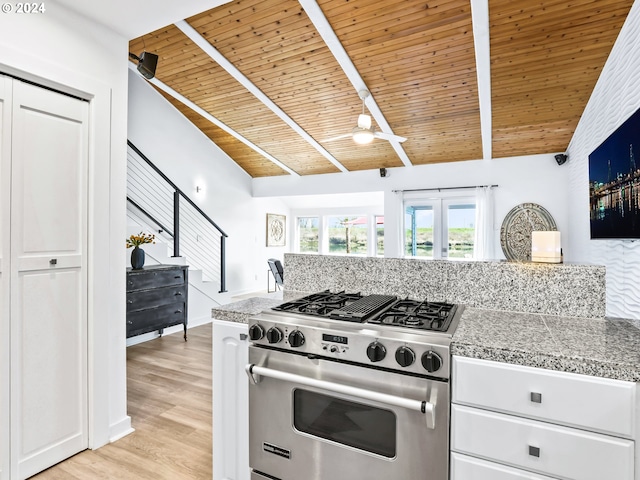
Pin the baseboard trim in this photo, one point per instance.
(120, 429)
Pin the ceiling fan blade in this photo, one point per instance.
(339, 137)
(389, 136)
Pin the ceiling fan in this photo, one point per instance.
(363, 132)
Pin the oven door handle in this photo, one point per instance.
(427, 408)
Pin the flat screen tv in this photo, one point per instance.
(614, 184)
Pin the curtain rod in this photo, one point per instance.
(441, 188)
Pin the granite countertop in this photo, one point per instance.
(242, 310)
(600, 347)
(608, 348)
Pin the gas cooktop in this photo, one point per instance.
(374, 309)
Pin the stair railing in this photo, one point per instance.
(171, 205)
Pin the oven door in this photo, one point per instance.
(317, 419)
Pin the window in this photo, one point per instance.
(440, 228)
(461, 230)
(347, 235)
(308, 234)
(379, 219)
(419, 231)
(340, 233)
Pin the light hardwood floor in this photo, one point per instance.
(169, 401)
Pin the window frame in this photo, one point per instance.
(323, 230)
(461, 201)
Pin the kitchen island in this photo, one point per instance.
(533, 361)
(577, 365)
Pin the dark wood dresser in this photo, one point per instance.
(156, 298)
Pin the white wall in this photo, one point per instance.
(537, 179)
(189, 158)
(60, 49)
(615, 98)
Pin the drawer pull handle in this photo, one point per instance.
(178, 311)
(129, 301)
(53, 261)
(178, 276)
(129, 322)
(534, 451)
(243, 336)
(178, 294)
(536, 397)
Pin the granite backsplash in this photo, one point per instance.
(573, 290)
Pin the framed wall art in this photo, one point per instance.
(614, 184)
(276, 230)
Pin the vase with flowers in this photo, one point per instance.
(137, 255)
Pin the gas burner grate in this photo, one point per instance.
(432, 316)
(319, 304)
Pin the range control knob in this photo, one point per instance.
(405, 356)
(296, 338)
(274, 335)
(431, 361)
(256, 332)
(376, 352)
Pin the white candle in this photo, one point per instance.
(546, 247)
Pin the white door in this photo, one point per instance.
(48, 279)
(5, 196)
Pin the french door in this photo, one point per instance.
(48, 278)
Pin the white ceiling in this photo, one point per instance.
(132, 18)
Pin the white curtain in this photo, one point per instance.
(484, 238)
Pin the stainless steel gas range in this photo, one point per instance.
(344, 386)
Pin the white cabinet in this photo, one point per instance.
(514, 422)
(596, 404)
(471, 468)
(44, 148)
(230, 401)
(539, 446)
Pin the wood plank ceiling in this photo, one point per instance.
(416, 57)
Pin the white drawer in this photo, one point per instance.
(464, 467)
(597, 404)
(564, 452)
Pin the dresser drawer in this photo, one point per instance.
(157, 297)
(597, 404)
(155, 318)
(563, 452)
(153, 279)
(464, 467)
